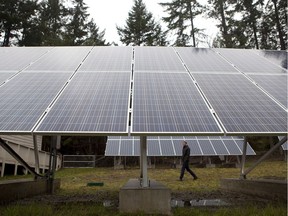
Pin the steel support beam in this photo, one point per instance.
(143, 161)
(267, 154)
(36, 154)
(242, 176)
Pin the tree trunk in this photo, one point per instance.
(226, 36)
(7, 37)
(282, 42)
(191, 20)
(255, 34)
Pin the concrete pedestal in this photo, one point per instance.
(155, 199)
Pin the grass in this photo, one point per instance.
(74, 182)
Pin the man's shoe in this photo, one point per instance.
(195, 178)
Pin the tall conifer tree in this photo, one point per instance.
(141, 28)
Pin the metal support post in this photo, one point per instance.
(267, 154)
(36, 154)
(242, 176)
(52, 163)
(143, 159)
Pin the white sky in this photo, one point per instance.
(109, 13)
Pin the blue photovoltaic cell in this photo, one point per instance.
(112, 148)
(278, 57)
(167, 148)
(17, 58)
(241, 106)
(137, 147)
(195, 149)
(108, 59)
(177, 145)
(153, 148)
(169, 102)
(232, 148)
(204, 60)
(126, 148)
(248, 61)
(219, 147)
(92, 103)
(249, 150)
(275, 85)
(285, 146)
(157, 59)
(25, 98)
(60, 59)
(206, 147)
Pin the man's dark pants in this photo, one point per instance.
(185, 165)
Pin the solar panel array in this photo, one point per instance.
(172, 146)
(165, 90)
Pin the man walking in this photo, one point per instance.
(185, 161)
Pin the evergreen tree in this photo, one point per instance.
(15, 15)
(274, 26)
(94, 36)
(248, 28)
(223, 11)
(52, 18)
(181, 18)
(141, 28)
(76, 28)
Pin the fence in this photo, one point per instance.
(73, 161)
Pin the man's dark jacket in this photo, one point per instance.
(185, 153)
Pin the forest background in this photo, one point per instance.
(252, 24)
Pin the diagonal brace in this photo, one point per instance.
(267, 154)
(19, 159)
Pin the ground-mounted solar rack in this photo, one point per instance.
(154, 91)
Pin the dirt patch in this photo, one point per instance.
(101, 197)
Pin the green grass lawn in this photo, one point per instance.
(74, 182)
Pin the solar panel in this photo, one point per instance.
(278, 57)
(5, 75)
(173, 147)
(169, 103)
(219, 147)
(195, 148)
(275, 85)
(126, 148)
(248, 61)
(25, 98)
(91, 103)
(204, 60)
(167, 147)
(108, 59)
(17, 58)
(232, 148)
(153, 148)
(113, 148)
(157, 59)
(241, 106)
(60, 59)
(285, 146)
(206, 147)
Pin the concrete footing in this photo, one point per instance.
(268, 189)
(12, 190)
(155, 199)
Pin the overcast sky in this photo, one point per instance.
(109, 13)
